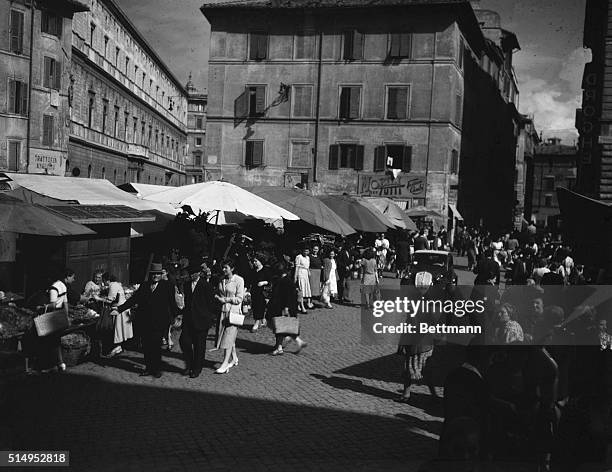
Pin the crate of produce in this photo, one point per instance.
(75, 347)
(14, 321)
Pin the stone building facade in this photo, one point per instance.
(128, 110)
(196, 134)
(364, 99)
(34, 84)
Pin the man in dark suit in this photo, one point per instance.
(421, 242)
(156, 307)
(198, 316)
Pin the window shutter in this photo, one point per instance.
(334, 150)
(241, 106)
(394, 50)
(16, 32)
(345, 102)
(358, 42)
(24, 98)
(359, 158)
(405, 40)
(407, 159)
(262, 46)
(354, 102)
(380, 158)
(257, 153)
(12, 96)
(401, 99)
(348, 45)
(248, 157)
(46, 71)
(47, 130)
(392, 103)
(59, 23)
(260, 100)
(57, 82)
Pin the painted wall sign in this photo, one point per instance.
(404, 186)
(47, 161)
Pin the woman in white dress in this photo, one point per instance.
(123, 324)
(302, 277)
(330, 279)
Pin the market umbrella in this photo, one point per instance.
(420, 211)
(354, 213)
(17, 216)
(384, 219)
(221, 197)
(305, 205)
(392, 211)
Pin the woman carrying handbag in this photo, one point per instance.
(283, 304)
(231, 290)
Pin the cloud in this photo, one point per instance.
(573, 68)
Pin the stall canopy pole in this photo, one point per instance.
(212, 251)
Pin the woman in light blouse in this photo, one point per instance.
(231, 290)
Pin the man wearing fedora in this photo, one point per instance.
(156, 308)
(198, 316)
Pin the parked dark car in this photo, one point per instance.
(438, 263)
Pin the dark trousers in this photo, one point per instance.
(151, 344)
(193, 345)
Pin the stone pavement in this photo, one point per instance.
(330, 407)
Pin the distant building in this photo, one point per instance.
(128, 110)
(554, 165)
(528, 140)
(594, 119)
(368, 98)
(35, 84)
(196, 134)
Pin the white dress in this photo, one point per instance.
(123, 325)
(333, 283)
(302, 274)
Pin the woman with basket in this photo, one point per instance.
(231, 290)
(283, 309)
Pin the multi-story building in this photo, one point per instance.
(528, 139)
(361, 98)
(34, 84)
(594, 119)
(196, 134)
(554, 165)
(128, 110)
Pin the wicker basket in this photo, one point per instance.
(74, 354)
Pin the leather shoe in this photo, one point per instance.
(145, 373)
(194, 375)
(157, 375)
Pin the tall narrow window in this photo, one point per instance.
(302, 101)
(142, 132)
(104, 115)
(350, 102)
(127, 65)
(353, 45)
(16, 31)
(305, 46)
(51, 24)
(257, 100)
(398, 104)
(199, 122)
(400, 45)
(254, 154)
(134, 129)
(150, 135)
(14, 155)
(116, 123)
(91, 109)
(461, 53)
(47, 138)
(454, 164)
(117, 51)
(18, 97)
(52, 73)
(106, 38)
(258, 46)
(459, 110)
(92, 34)
(126, 117)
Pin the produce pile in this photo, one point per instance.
(80, 314)
(75, 340)
(130, 289)
(14, 321)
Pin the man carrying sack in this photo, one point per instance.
(198, 316)
(156, 309)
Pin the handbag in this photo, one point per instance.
(236, 319)
(286, 325)
(52, 322)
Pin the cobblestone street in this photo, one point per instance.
(331, 406)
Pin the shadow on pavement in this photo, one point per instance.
(117, 426)
(355, 386)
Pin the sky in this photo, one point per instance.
(549, 65)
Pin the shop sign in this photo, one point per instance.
(47, 161)
(404, 186)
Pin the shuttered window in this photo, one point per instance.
(258, 46)
(14, 155)
(398, 106)
(393, 156)
(52, 73)
(346, 156)
(91, 109)
(257, 100)
(18, 97)
(16, 32)
(51, 24)
(302, 101)
(400, 45)
(254, 154)
(350, 102)
(454, 163)
(47, 137)
(305, 46)
(353, 45)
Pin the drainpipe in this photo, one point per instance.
(431, 98)
(30, 85)
(317, 117)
